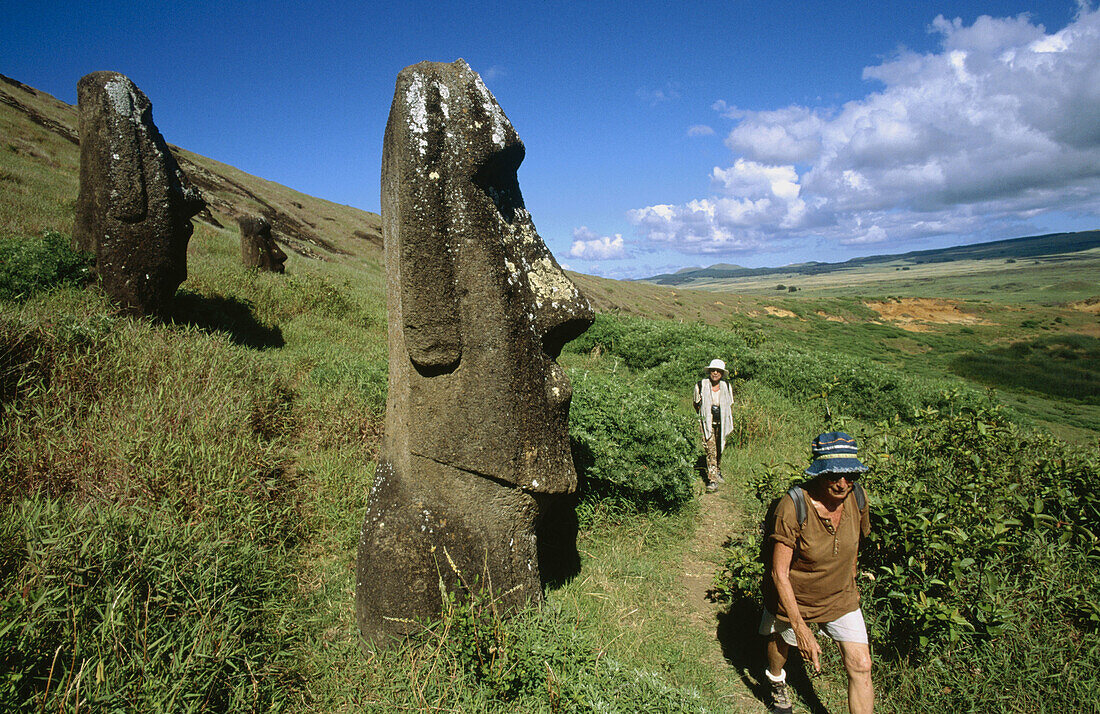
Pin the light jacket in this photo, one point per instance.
(703, 399)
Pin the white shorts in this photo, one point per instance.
(846, 628)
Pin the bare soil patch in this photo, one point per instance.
(915, 314)
(775, 311)
(1091, 305)
(830, 318)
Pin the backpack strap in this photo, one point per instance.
(799, 497)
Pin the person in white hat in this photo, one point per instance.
(713, 400)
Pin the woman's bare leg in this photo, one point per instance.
(857, 662)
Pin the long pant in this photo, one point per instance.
(714, 451)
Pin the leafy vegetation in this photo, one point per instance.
(31, 265)
(983, 550)
(627, 460)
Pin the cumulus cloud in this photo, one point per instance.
(1000, 125)
(590, 246)
(700, 130)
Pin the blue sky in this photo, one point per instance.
(658, 136)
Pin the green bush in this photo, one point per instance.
(30, 265)
(854, 386)
(972, 512)
(670, 357)
(633, 446)
(983, 551)
(670, 354)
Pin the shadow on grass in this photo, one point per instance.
(556, 536)
(701, 468)
(744, 649)
(227, 315)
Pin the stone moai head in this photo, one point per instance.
(135, 206)
(258, 247)
(476, 448)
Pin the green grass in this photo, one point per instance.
(180, 501)
(1065, 367)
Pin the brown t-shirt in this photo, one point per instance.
(823, 562)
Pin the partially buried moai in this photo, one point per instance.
(258, 247)
(135, 206)
(475, 471)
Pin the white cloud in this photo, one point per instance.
(998, 126)
(661, 95)
(494, 72)
(700, 130)
(590, 246)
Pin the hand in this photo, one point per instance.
(808, 646)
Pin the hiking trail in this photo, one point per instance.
(718, 517)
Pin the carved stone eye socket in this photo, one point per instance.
(497, 178)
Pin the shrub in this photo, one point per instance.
(670, 355)
(634, 448)
(975, 524)
(31, 265)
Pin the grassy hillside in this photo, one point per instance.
(39, 172)
(180, 500)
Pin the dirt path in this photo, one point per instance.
(717, 515)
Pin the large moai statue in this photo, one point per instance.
(135, 206)
(258, 247)
(475, 468)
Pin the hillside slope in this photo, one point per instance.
(39, 170)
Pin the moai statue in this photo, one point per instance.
(475, 464)
(135, 206)
(258, 248)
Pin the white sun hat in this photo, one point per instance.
(716, 364)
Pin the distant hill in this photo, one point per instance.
(1013, 248)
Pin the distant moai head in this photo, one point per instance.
(473, 482)
(258, 247)
(135, 206)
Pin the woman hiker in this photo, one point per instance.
(713, 401)
(812, 574)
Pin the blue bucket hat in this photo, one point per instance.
(834, 452)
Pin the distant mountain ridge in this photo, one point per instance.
(1016, 248)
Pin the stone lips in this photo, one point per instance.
(476, 450)
(135, 205)
(258, 247)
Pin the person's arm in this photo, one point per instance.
(781, 576)
(697, 396)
